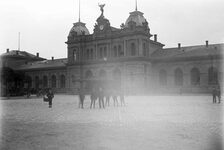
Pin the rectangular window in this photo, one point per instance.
(101, 52)
(105, 51)
(91, 54)
(74, 55)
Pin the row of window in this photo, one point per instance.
(178, 78)
(117, 51)
(194, 75)
(44, 82)
(103, 74)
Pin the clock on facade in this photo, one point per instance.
(101, 27)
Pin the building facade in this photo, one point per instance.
(128, 58)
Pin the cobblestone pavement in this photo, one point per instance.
(146, 122)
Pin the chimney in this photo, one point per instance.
(206, 43)
(179, 45)
(155, 37)
(52, 58)
(7, 50)
(37, 54)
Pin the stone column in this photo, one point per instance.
(125, 48)
(140, 48)
(186, 79)
(96, 47)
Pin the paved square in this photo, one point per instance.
(146, 122)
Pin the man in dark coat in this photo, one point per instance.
(114, 96)
(93, 98)
(50, 96)
(214, 95)
(107, 94)
(218, 92)
(101, 97)
(81, 98)
(122, 98)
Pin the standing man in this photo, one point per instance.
(93, 98)
(81, 98)
(219, 94)
(122, 98)
(101, 96)
(50, 96)
(114, 96)
(214, 94)
(107, 94)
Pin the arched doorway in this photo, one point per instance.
(162, 77)
(212, 76)
(133, 49)
(53, 81)
(88, 78)
(45, 81)
(195, 76)
(37, 82)
(103, 74)
(178, 75)
(62, 81)
(116, 78)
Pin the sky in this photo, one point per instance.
(45, 24)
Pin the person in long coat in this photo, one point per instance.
(81, 98)
(93, 98)
(122, 99)
(218, 93)
(101, 97)
(50, 96)
(214, 93)
(107, 94)
(114, 96)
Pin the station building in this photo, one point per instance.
(130, 58)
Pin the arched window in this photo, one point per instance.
(37, 82)
(105, 52)
(88, 74)
(212, 75)
(195, 76)
(91, 53)
(74, 55)
(103, 74)
(117, 79)
(144, 49)
(120, 51)
(87, 54)
(162, 77)
(53, 81)
(45, 82)
(73, 79)
(117, 74)
(133, 49)
(115, 51)
(29, 81)
(101, 52)
(62, 81)
(178, 77)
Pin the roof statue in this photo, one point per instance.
(101, 8)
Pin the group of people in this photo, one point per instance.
(103, 96)
(216, 93)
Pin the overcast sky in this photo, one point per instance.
(45, 24)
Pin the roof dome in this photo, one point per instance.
(79, 28)
(137, 17)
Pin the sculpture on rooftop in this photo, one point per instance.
(101, 8)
